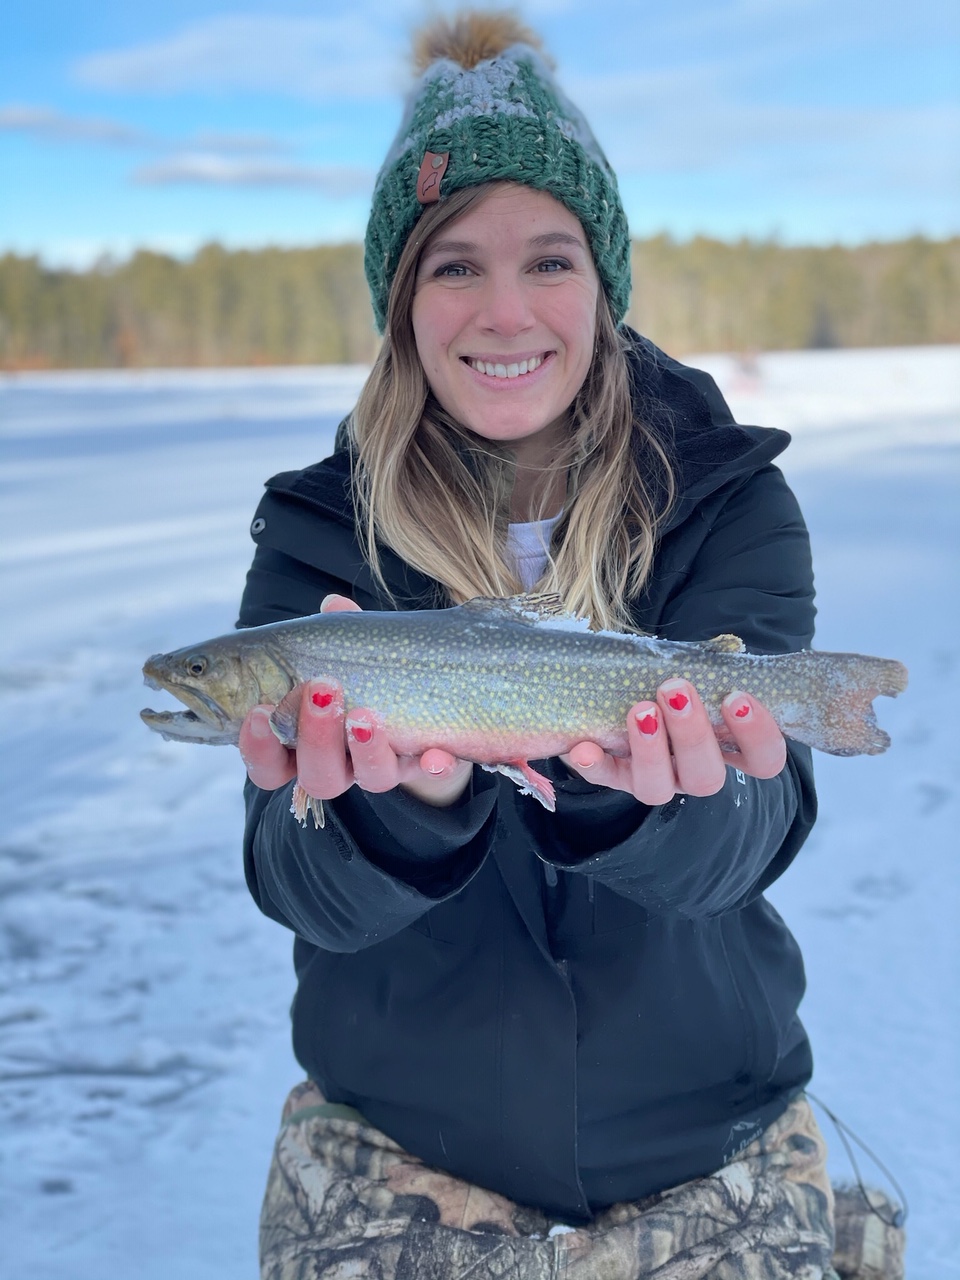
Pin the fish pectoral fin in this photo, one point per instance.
(286, 716)
(303, 803)
(528, 780)
(723, 644)
(530, 609)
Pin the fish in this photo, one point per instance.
(501, 682)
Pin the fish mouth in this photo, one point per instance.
(173, 719)
(187, 726)
(202, 709)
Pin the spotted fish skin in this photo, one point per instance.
(501, 682)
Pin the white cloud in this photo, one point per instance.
(209, 168)
(56, 126)
(323, 57)
(692, 120)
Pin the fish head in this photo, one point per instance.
(218, 682)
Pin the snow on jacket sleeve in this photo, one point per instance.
(380, 861)
(750, 574)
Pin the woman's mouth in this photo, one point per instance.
(503, 370)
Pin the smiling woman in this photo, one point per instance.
(495, 301)
(496, 292)
(516, 1018)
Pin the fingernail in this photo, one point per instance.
(677, 699)
(360, 731)
(648, 723)
(322, 697)
(260, 724)
(323, 602)
(738, 704)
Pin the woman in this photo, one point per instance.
(537, 1044)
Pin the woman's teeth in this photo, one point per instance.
(506, 370)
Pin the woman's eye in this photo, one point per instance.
(452, 269)
(550, 266)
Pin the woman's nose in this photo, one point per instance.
(504, 307)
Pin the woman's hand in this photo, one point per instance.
(674, 750)
(334, 752)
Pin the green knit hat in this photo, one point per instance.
(487, 108)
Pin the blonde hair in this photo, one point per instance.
(438, 494)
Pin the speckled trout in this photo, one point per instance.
(503, 682)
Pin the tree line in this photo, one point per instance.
(310, 306)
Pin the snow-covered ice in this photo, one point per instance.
(143, 1000)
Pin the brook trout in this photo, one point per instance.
(501, 682)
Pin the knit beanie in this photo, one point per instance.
(486, 108)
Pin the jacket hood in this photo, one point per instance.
(707, 446)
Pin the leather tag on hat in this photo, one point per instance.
(432, 169)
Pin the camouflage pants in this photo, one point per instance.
(344, 1201)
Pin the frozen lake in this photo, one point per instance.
(143, 1000)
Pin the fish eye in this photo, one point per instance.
(196, 665)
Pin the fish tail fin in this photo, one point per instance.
(844, 723)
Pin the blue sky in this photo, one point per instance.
(253, 123)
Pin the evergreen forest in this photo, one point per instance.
(310, 305)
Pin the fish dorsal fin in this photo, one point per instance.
(723, 644)
(530, 609)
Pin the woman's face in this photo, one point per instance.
(504, 316)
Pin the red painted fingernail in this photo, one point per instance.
(678, 700)
(648, 724)
(321, 699)
(360, 732)
(737, 703)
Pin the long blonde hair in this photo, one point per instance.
(438, 494)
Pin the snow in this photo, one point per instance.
(143, 1000)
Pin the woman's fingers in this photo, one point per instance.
(269, 763)
(761, 749)
(590, 762)
(437, 778)
(339, 604)
(586, 756)
(437, 763)
(652, 773)
(674, 747)
(698, 760)
(375, 764)
(324, 769)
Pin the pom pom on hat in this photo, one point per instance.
(469, 37)
(486, 108)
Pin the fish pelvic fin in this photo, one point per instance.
(528, 780)
(302, 804)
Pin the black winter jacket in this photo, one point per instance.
(577, 1008)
